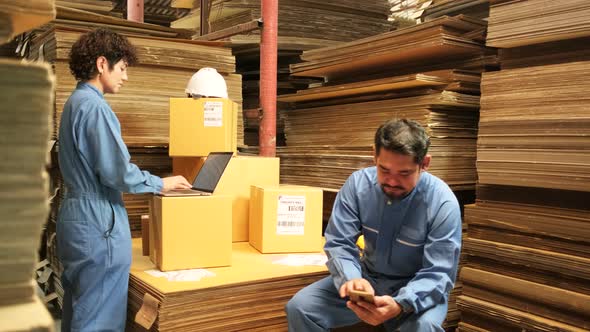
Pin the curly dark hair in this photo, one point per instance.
(403, 136)
(100, 42)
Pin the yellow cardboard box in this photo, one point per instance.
(286, 219)
(188, 167)
(200, 126)
(191, 232)
(241, 173)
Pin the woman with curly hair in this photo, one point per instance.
(94, 241)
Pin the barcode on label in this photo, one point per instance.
(291, 223)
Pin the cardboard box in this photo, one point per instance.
(188, 167)
(240, 174)
(191, 232)
(200, 126)
(286, 219)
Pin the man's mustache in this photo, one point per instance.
(392, 187)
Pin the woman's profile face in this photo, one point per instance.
(112, 80)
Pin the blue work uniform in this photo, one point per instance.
(93, 236)
(412, 248)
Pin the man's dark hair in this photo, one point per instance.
(403, 136)
(100, 42)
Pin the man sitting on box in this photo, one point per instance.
(411, 224)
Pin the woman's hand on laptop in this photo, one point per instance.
(175, 183)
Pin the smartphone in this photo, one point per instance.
(359, 295)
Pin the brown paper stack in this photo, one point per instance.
(400, 49)
(95, 6)
(311, 20)
(527, 260)
(528, 244)
(519, 23)
(537, 134)
(304, 25)
(142, 104)
(330, 128)
(474, 8)
(18, 16)
(26, 95)
(250, 295)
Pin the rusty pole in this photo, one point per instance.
(135, 10)
(268, 78)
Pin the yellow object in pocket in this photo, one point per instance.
(361, 242)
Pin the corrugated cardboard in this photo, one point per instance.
(200, 126)
(241, 173)
(191, 232)
(188, 167)
(286, 219)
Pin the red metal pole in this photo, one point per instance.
(135, 10)
(268, 78)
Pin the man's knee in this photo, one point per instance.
(428, 321)
(295, 304)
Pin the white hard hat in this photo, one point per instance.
(207, 82)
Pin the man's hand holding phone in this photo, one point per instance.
(371, 309)
(358, 295)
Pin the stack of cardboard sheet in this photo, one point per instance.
(306, 19)
(407, 12)
(328, 167)
(330, 128)
(474, 8)
(528, 247)
(18, 16)
(250, 295)
(156, 161)
(154, 11)
(528, 260)
(95, 6)
(26, 95)
(164, 69)
(519, 23)
(86, 19)
(304, 25)
(248, 65)
(534, 127)
(441, 38)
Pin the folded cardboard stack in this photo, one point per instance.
(527, 248)
(304, 25)
(17, 16)
(518, 23)
(330, 128)
(527, 260)
(248, 295)
(26, 93)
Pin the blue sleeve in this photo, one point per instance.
(100, 142)
(437, 276)
(341, 235)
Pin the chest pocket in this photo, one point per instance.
(408, 251)
(370, 234)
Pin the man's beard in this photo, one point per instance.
(399, 195)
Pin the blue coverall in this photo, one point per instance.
(93, 237)
(412, 249)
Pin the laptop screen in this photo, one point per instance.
(212, 170)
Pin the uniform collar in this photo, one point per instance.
(88, 86)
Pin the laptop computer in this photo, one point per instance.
(207, 178)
